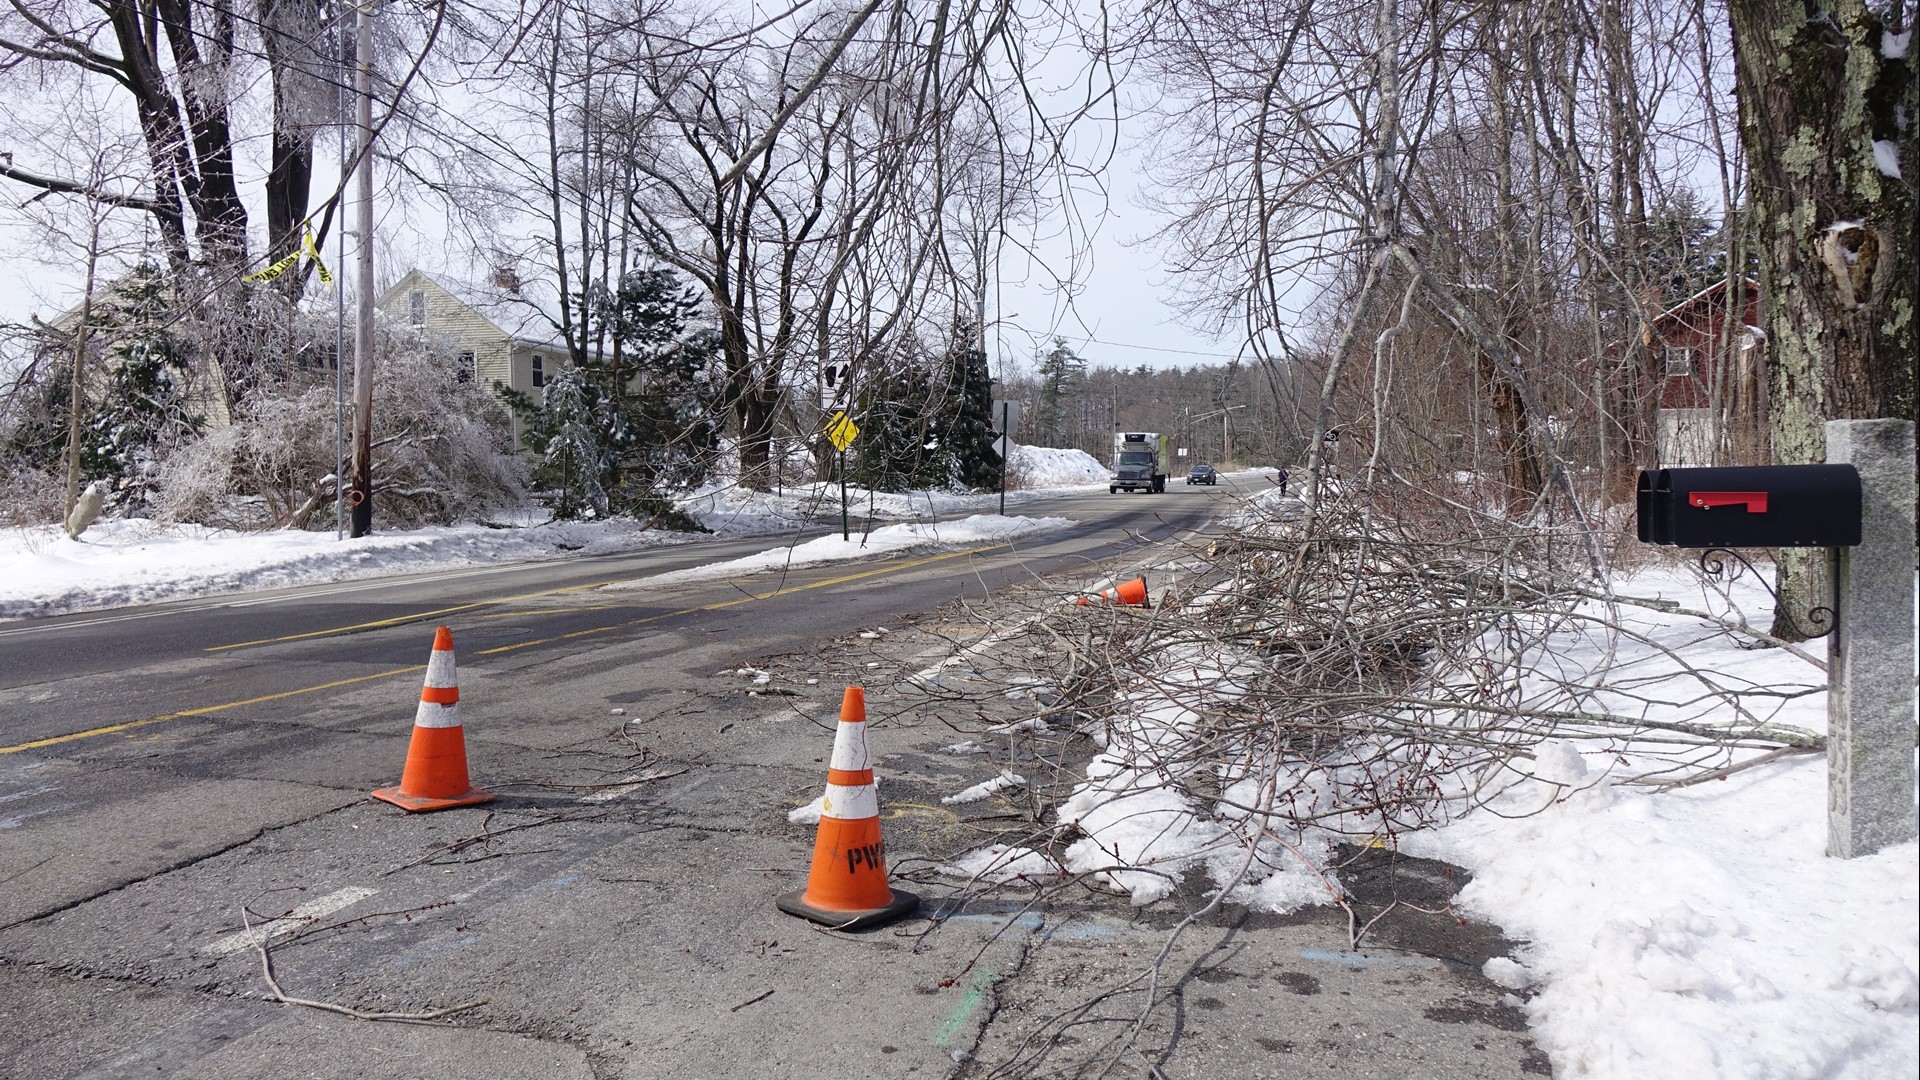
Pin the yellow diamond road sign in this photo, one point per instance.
(842, 431)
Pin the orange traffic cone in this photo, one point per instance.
(847, 884)
(1131, 593)
(435, 777)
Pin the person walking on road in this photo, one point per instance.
(1281, 479)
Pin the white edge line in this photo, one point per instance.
(293, 920)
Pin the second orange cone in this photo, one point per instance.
(435, 777)
(847, 883)
(1131, 593)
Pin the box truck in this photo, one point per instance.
(1139, 461)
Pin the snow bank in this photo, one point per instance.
(728, 510)
(133, 561)
(731, 510)
(978, 529)
(1699, 932)
(1046, 467)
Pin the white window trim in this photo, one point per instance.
(1678, 361)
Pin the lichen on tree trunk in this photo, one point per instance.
(1839, 285)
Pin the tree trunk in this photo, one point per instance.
(1820, 111)
(288, 31)
(755, 409)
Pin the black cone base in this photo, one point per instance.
(902, 904)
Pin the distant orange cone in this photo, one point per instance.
(1131, 593)
(847, 884)
(435, 777)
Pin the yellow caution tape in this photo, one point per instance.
(313, 253)
(308, 249)
(273, 271)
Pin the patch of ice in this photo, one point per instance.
(1006, 779)
(1002, 863)
(1503, 971)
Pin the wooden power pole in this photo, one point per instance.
(360, 497)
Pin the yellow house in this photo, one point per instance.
(502, 334)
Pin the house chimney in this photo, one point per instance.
(507, 279)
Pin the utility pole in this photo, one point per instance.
(1006, 444)
(1226, 448)
(361, 499)
(340, 305)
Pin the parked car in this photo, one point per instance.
(1202, 474)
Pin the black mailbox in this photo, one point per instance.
(1754, 506)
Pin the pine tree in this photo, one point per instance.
(967, 433)
(1061, 374)
(620, 436)
(575, 436)
(139, 411)
(899, 447)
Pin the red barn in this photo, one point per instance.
(1709, 383)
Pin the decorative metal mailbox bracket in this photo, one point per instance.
(1713, 563)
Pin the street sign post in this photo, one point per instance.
(841, 431)
(1007, 415)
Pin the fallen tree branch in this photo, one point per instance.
(266, 970)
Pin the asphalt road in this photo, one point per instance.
(183, 792)
(73, 674)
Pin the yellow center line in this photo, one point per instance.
(538, 613)
(413, 617)
(204, 710)
(589, 631)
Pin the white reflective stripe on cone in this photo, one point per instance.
(433, 714)
(440, 669)
(850, 747)
(850, 803)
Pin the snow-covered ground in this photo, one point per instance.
(1696, 932)
(121, 562)
(731, 510)
(922, 536)
(1703, 931)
